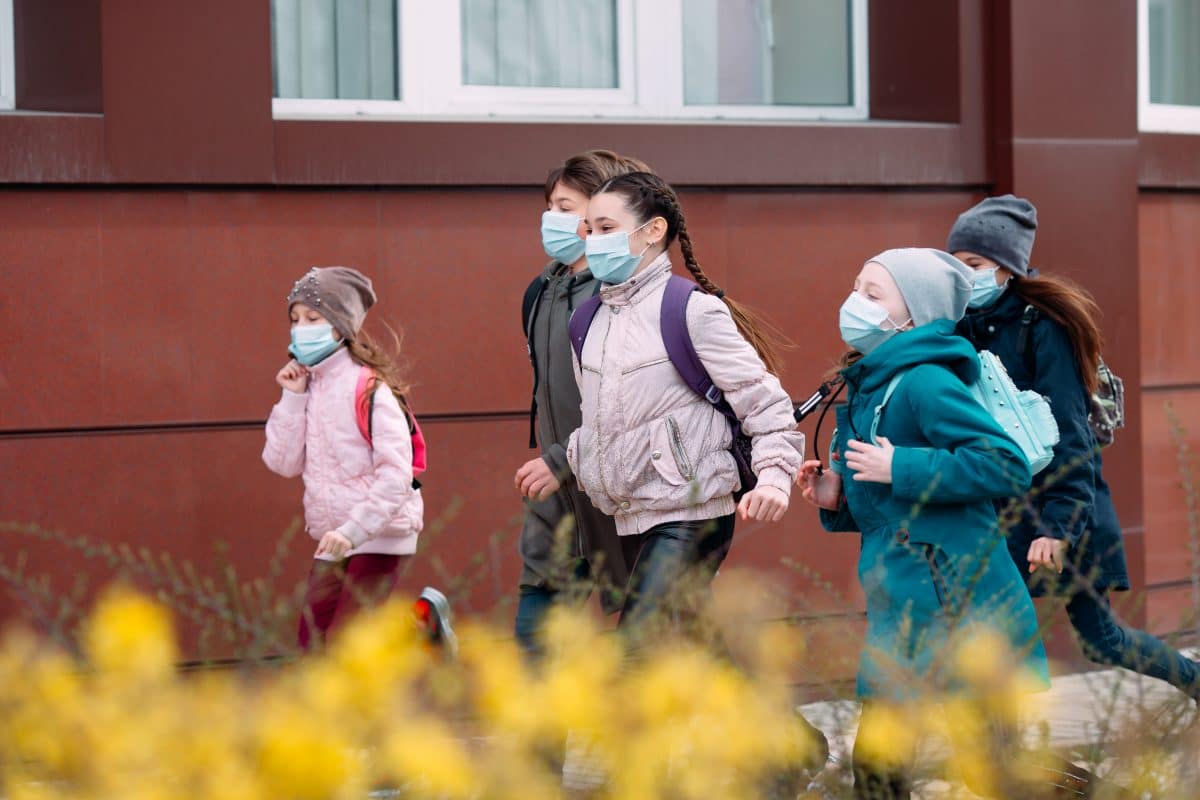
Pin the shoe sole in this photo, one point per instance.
(441, 606)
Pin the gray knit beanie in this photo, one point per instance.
(935, 285)
(340, 294)
(999, 228)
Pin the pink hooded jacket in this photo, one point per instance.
(364, 493)
(650, 450)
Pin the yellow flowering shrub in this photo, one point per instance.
(380, 711)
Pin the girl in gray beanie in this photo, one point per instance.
(915, 464)
(358, 450)
(1046, 331)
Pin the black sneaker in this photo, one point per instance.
(433, 612)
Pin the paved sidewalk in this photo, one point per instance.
(1090, 714)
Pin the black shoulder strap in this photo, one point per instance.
(529, 307)
(533, 293)
(1023, 349)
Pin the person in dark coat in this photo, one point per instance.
(1067, 537)
(568, 547)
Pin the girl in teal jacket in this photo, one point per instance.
(933, 562)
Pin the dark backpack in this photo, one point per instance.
(530, 304)
(682, 354)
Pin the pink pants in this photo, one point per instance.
(336, 590)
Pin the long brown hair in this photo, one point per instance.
(387, 363)
(585, 172)
(648, 196)
(1073, 307)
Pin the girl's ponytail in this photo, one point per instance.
(649, 196)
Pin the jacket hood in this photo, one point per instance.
(935, 343)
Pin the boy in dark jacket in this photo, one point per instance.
(568, 547)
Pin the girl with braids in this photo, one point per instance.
(354, 447)
(650, 451)
(1067, 537)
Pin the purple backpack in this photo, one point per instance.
(687, 363)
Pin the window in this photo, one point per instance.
(1169, 65)
(8, 89)
(577, 59)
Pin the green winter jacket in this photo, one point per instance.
(933, 563)
(952, 458)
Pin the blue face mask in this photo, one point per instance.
(311, 344)
(984, 289)
(560, 236)
(861, 322)
(608, 256)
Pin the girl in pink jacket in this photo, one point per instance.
(361, 503)
(652, 451)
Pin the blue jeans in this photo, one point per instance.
(535, 602)
(1106, 641)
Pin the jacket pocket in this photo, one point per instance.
(667, 453)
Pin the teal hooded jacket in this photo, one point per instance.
(952, 459)
(933, 560)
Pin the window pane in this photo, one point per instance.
(1175, 52)
(568, 44)
(335, 49)
(767, 52)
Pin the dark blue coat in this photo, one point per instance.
(1071, 499)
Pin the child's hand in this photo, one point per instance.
(822, 490)
(1047, 552)
(535, 480)
(870, 462)
(764, 504)
(334, 545)
(293, 377)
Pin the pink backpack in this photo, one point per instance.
(364, 404)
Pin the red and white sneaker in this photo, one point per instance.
(432, 610)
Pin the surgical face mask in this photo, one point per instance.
(560, 236)
(861, 322)
(984, 289)
(312, 343)
(609, 258)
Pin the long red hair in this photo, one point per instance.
(1073, 307)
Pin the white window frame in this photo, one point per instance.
(649, 78)
(8, 81)
(1158, 117)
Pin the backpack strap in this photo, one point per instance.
(887, 395)
(581, 322)
(530, 302)
(1027, 319)
(529, 308)
(681, 350)
(364, 402)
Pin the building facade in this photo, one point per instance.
(170, 167)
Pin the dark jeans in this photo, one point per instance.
(337, 589)
(673, 571)
(1105, 640)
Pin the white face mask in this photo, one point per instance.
(984, 288)
(609, 257)
(861, 321)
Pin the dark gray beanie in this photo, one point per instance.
(935, 285)
(999, 228)
(340, 294)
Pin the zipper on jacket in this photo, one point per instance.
(681, 458)
(600, 449)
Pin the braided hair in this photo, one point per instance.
(648, 196)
